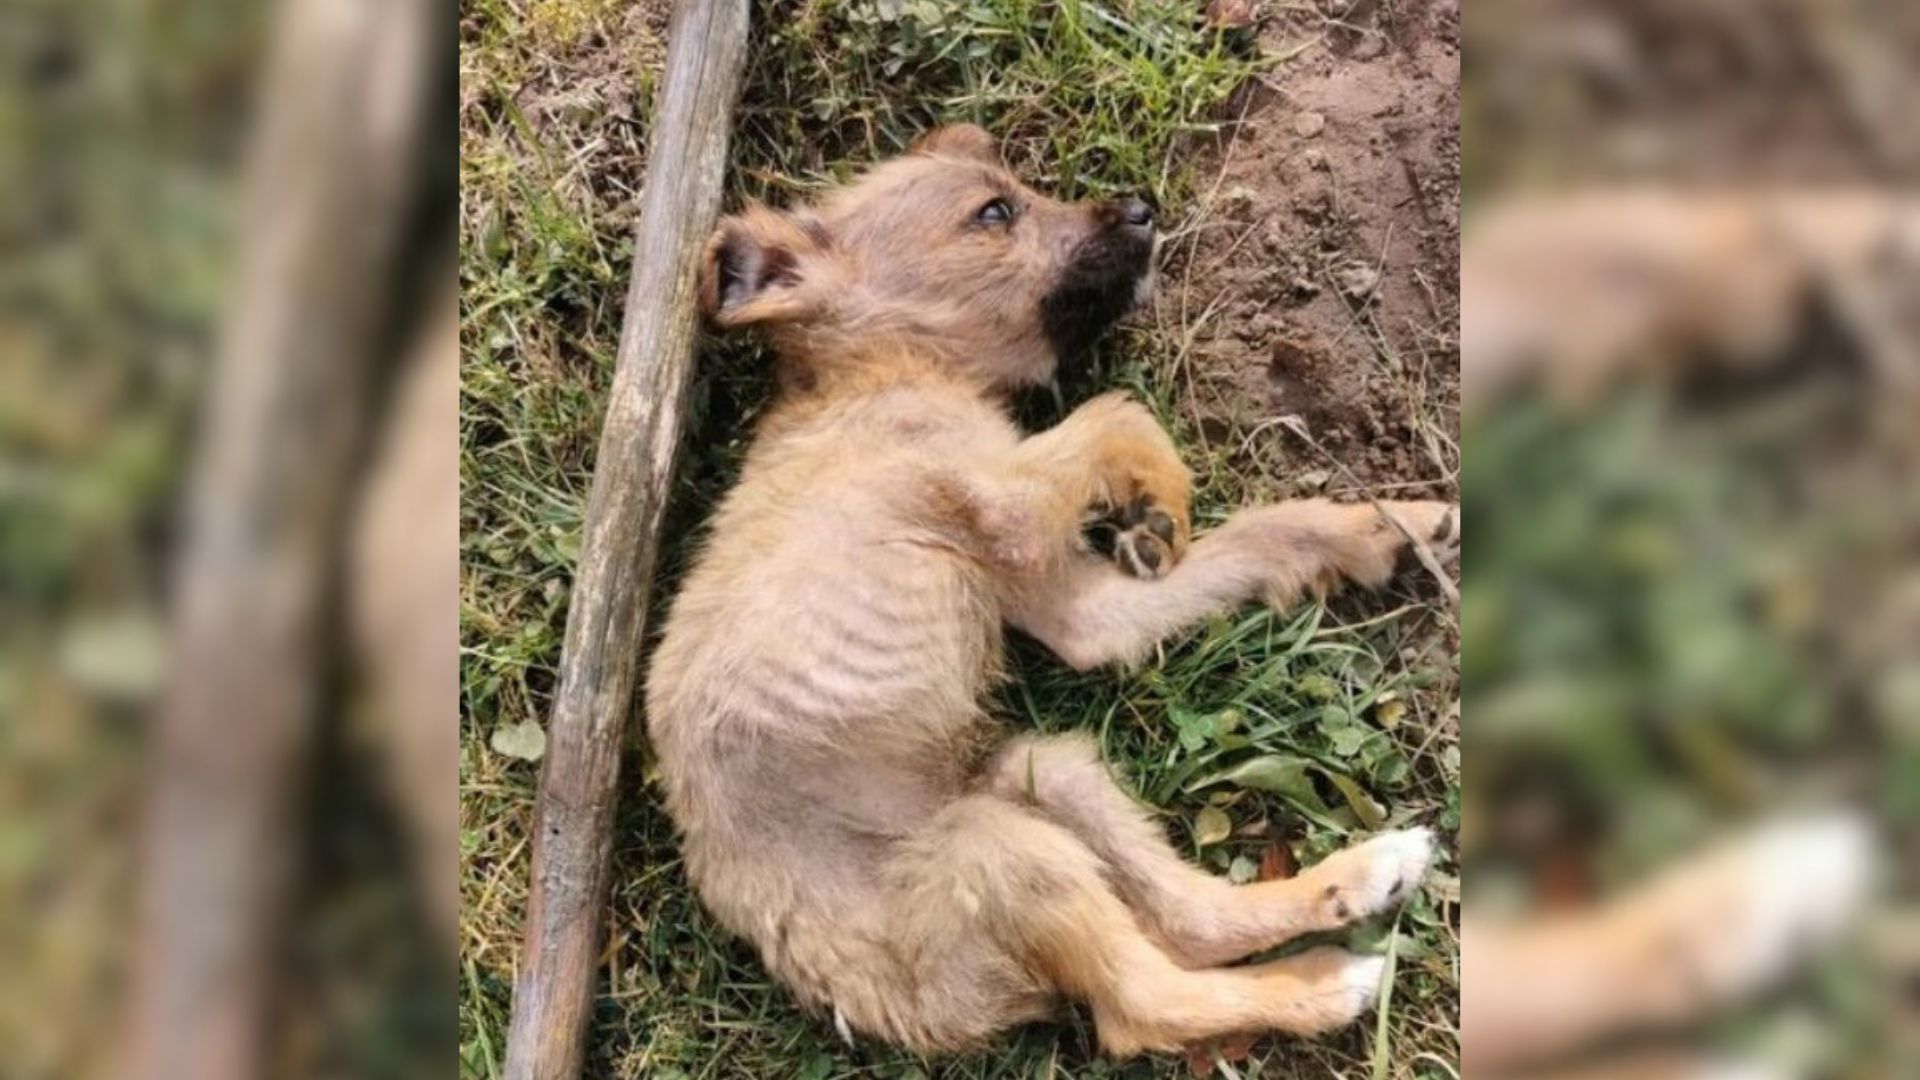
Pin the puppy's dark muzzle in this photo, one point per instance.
(1102, 279)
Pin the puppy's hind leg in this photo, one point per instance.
(989, 874)
(1202, 920)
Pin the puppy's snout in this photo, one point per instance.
(1133, 212)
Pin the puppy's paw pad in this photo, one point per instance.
(1141, 537)
(1147, 549)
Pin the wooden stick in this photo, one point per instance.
(332, 181)
(573, 817)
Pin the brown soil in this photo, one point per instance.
(1321, 266)
(1709, 92)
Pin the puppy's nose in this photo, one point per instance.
(1136, 210)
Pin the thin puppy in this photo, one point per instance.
(815, 703)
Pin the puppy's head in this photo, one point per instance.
(941, 250)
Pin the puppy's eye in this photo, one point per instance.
(997, 212)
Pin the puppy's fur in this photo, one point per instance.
(815, 703)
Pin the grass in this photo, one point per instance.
(1090, 99)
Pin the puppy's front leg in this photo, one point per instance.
(1091, 613)
(1109, 469)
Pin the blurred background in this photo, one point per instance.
(227, 536)
(1691, 596)
(1691, 608)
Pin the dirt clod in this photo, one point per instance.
(1358, 280)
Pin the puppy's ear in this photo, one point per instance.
(958, 140)
(756, 266)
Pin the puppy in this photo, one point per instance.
(815, 702)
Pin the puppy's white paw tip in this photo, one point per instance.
(1373, 876)
(1406, 855)
(1364, 973)
(1810, 878)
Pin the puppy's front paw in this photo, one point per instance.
(1143, 537)
(1371, 877)
(1435, 523)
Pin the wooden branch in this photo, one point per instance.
(331, 183)
(573, 818)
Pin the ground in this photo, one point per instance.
(1309, 273)
(1325, 283)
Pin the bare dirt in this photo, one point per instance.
(1708, 92)
(1321, 266)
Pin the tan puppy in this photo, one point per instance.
(815, 703)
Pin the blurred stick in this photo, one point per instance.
(403, 590)
(573, 818)
(332, 185)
